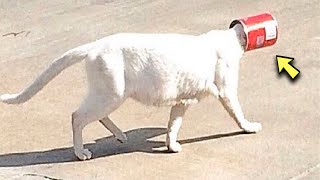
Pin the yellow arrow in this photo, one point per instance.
(284, 63)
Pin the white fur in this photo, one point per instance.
(155, 69)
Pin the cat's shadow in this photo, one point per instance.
(138, 141)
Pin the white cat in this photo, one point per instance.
(156, 69)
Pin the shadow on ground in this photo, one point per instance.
(104, 147)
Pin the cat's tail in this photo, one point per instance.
(69, 58)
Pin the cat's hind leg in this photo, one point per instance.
(119, 135)
(92, 109)
(106, 93)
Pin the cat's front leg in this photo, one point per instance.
(232, 105)
(229, 98)
(176, 115)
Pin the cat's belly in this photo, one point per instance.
(169, 101)
(170, 94)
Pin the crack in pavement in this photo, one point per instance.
(306, 172)
(39, 175)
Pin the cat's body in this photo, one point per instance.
(155, 69)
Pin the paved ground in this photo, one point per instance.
(35, 138)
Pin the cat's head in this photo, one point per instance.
(242, 37)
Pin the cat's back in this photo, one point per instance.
(151, 41)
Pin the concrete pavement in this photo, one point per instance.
(35, 138)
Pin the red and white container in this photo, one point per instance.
(260, 30)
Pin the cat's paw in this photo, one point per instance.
(174, 147)
(83, 155)
(252, 127)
